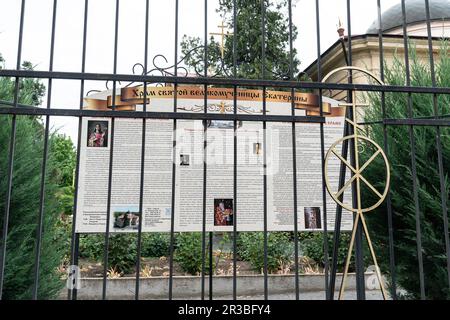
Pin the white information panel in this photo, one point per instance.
(189, 155)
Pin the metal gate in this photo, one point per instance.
(287, 81)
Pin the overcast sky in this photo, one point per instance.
(100, 40)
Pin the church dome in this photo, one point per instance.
(415, 13)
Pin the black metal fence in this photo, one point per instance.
(15, 111)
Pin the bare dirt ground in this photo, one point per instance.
(152, 267)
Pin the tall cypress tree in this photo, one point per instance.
(25, 200)
(401, 190)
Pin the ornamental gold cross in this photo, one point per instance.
(222, 35)
(357, 180)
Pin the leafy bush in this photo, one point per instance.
(279, 249)
(123, 248)
(188, 253)
(155, 244)
(401, 191)
(91, 246)
(122, 252)
(312, 247)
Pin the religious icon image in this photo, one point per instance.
(257, 148)
(97, 134)
(184, 159)
(312, 218)
(126, 218)
(223, 212)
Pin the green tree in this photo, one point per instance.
(30, 90)
(248, 42)
(64, 154)
(399, 155)
(25, 200)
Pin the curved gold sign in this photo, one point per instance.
(131, 96)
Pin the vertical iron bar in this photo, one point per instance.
(174, 145)
(412, 141)
(359, 255)
(205, 110)
(211, 265)
(342, 174)
(76, 251)
(338, 216)
(322, 154)
(329, 284)
(11, 155)
(438, 143)
(142, 173)
(111, 158)
(294, 153)
(44, 166)
(37, 258)
(72, 294)
(393, 287)
(235, 234)
(263, 58)
(205, 129)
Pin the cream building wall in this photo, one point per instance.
(366, 55)
(365, 48)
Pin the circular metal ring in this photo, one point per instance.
(358, 174)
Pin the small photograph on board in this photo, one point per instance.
(223, 212)
(126, 218)
(223, 124)
(184, 159)
(257, 148)
(97, 134)
(312, 218)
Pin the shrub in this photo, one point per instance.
(188, 253)
(91, 246)
(122, 252)
(155, 244)
(279, 249)
(312, 246)
(123, 248)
